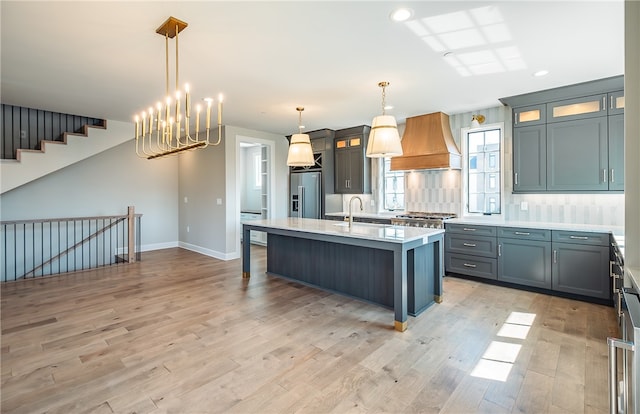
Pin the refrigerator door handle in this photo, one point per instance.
(613, 344)
(300, 201)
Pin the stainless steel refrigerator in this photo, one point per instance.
(306, 195)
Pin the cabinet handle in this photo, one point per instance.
(604, 175)
(469, 265)
(604, 103)
(516, 179)
(611, 101)
(612, 178)
(555, 256)
(469, 244)
(468, 229)
(579, 237)
(522, 233)
(499, 250)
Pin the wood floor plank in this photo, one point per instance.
(180, 332)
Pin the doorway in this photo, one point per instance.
(255, 180)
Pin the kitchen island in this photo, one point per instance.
(392, 266)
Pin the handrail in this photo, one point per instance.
(66, 219)
(34, 248)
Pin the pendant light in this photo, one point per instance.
(384, 141)
(300, 153)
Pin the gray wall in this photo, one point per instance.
(105, 184)
(210, 180)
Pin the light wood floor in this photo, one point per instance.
(184, 333)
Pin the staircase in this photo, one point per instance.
(32, 164)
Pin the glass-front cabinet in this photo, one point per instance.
(578, 108)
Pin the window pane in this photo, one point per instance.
(393, 187)
(483, 171)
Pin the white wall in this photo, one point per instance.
(632, 133)
(105, 184)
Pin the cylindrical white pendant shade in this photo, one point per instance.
(384, 140)
(300, 152)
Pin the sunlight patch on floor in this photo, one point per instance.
(498, 359)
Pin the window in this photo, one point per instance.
(393, 187)
(484, 170)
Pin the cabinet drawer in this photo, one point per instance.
(471, 229)
(580, 237)
(524, 233)
(471, 265)
(473, 245)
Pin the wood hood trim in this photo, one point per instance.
(427, 143)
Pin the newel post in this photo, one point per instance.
(131, 214)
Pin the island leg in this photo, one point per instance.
(246, 250)
(400, 289)
(438, 268)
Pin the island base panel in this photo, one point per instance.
(359, 272)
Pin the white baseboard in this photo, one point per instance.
(209, 252)
(158, 246)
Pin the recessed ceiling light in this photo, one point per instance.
(541, 73)
(402, 14)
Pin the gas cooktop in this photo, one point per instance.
(426, 215)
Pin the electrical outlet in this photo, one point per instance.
(372, 203)
(524, 206)
(219, 201)
(23, 134)
(187, 229)
(186, 200)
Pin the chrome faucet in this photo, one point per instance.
(351, 207)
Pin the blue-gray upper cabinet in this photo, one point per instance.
(529, 115)
(530, 158)
(577, 155)
(616, 152)
(352, 171)
(577, 108)
(616, 103)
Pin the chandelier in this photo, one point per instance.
(166, 130)
(384, 141)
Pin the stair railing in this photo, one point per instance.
(37, 248)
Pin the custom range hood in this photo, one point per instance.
(427, 144)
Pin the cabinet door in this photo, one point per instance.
(616, 152)
(356, 171)
(530, 158)
(581, 269)
(577, 108)
(577, 156)
(616, 103)
(342, 171)
(529, 115)
(525, 262)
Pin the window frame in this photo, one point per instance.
(384, 186)
(464, 138)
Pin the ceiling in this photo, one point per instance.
(104, 59)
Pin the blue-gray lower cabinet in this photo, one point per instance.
(524, 256)
(581, 269)
(525, 262)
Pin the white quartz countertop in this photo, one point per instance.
(617, 231)
(376, 232)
